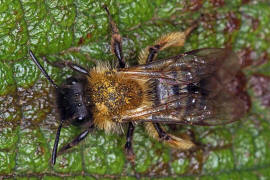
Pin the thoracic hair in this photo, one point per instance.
(113, 94)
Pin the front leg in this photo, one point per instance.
(69, 64)
(71, 144)
(128, 146)
(59, 64)
(116, 41)
(74, 142)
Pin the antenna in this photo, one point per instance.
(55, 146)
(42, 69)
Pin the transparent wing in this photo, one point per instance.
(192, 88)
(198, 110)
(190, 67)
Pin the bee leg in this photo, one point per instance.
(156, 131)
(75, 141)
(71, 65)
(128, 146)
(176, 39)
(116, 41)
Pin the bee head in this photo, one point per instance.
(71, 102)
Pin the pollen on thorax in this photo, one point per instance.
(113, 95)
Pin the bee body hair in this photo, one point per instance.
(114, 95)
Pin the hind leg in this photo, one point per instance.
(156, 131)
(176, 39)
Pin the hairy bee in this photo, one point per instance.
(190, 88)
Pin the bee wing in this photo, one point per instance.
(198, 110)
(191, 66)
(205, 63)
(194, 109)
(193, 88)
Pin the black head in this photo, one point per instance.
(70, 102)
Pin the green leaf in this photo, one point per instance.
(79, 31)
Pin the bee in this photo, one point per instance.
(189, 88)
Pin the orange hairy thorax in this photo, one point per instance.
(112, 95)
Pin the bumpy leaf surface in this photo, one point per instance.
(77, 30)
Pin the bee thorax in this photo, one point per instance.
(112, 96)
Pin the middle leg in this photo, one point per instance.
(128, 146)
(116, 41)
